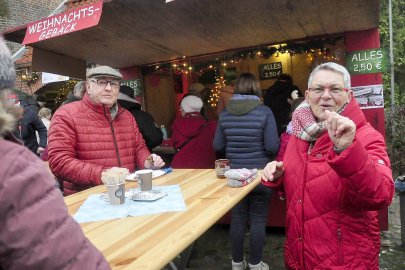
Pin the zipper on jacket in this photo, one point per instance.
(340, 244)
(113, 133)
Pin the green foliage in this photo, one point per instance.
(398, 25)
(395, 119)
(3, 8)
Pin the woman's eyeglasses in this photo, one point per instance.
(334, 91)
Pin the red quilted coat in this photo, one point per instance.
(193, 136)
(84, 140)
(332, 200)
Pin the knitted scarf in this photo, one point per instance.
(304, 123)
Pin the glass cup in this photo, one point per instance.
(221, 166)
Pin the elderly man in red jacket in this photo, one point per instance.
(95, 133)
(336, 175)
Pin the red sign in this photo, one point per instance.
(63, 23)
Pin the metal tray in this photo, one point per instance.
(151, 195)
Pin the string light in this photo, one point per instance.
(215, 92)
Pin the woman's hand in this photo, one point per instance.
(272, 171)
(154, 162)
(341, 129)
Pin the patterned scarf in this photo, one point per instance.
(304, 124)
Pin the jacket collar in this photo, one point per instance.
(99, 108)
(354, 112)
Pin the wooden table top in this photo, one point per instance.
(152, 241)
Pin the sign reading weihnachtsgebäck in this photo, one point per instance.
(63, 23)
(367, 61)
(134, 84)
(270, 70)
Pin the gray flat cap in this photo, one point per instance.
(103, 71)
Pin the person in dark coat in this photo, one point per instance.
(247, 133)
(36, 230)
(77, 93)
(276, 99)
(28, 126)
(151, 133)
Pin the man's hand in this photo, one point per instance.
(153, 162)
(341, 129)
(273, 170)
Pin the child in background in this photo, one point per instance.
(285, 137)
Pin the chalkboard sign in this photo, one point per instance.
(270, 71)
(367, 61)
(134, 84)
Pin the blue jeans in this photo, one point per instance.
(255, 207)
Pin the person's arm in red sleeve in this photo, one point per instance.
(62, 152)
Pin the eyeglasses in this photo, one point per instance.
(334, 91)
(104, 83)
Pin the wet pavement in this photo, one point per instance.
(212, 250)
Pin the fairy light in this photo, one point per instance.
(215, 92)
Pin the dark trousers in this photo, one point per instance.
(255, 207)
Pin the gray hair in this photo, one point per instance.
(45, 113)
(8, 117)
(78, 90)
(332, 67)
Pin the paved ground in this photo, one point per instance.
(212, 250)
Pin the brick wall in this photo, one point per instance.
(17, 12)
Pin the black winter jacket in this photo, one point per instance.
(152, 134)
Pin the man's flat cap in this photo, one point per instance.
(103, 71)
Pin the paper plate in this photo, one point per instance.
(155, 173)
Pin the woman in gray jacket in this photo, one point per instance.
(36, 229)
(247, 134)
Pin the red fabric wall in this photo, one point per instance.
(365, 40)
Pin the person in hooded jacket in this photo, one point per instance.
(247, 133)
(192, 136)
(336, 176)
(151, 133)
(29, 125)
(36, 230)
(277, 99)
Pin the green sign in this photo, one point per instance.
(270, 70)
(134, 84)
(367, 61)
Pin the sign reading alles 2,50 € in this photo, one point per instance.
(367, 61)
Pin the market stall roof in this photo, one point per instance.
(141, 32)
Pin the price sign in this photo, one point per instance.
(367, 61)
(270, 71)
(134, 84)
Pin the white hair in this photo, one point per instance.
(332, 67)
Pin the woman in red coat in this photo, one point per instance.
(336, 175)
(192, 135)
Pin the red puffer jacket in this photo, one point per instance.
(332, 200)
(83, 139)
(36, 231)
